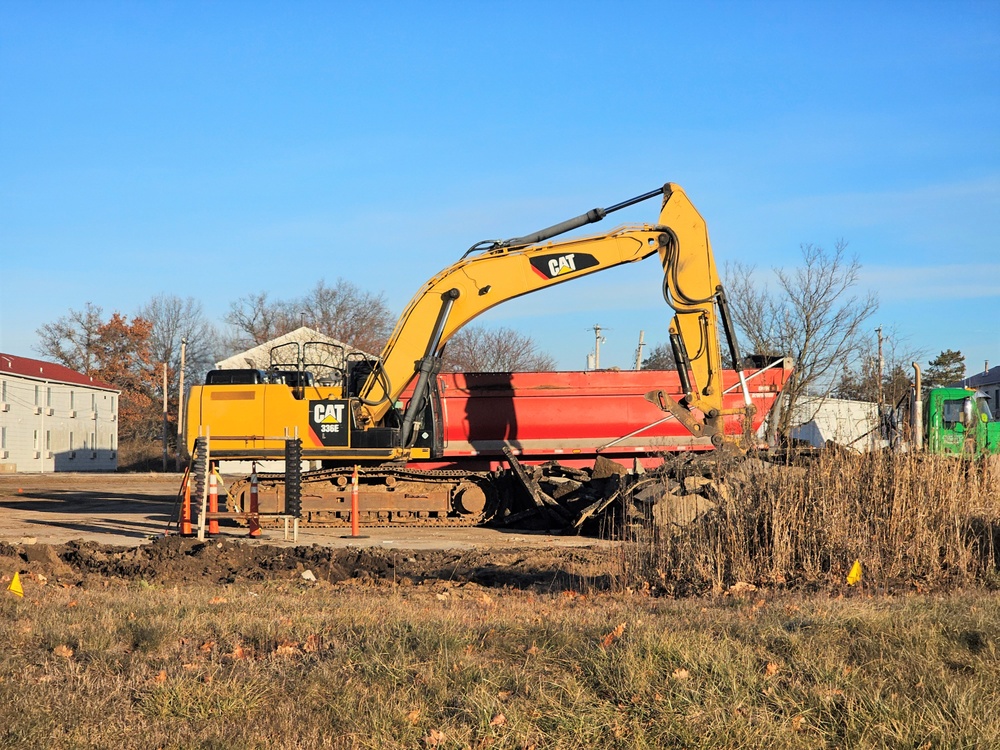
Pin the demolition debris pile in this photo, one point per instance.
(612, 499)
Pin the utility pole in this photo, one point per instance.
(598, 340)
(638, 351)
(181, 446)
(881, 367)
(164, 417)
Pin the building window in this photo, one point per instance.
(71, 441)
(48, 440)
(112, 404)
(93, 402)
(72, 399)
(48, 396)
(34, 440)
(93, 440)
(3, 390)
(3, 438)
(36, 395)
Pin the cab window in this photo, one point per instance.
(951, 413)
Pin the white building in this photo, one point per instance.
(987, 381)
(324, 350)
(53, 418)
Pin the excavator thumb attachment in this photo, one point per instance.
(712, 427)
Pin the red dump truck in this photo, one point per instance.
(572, 417)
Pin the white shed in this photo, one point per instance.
(853, 424)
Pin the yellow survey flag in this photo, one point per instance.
(15, 585)
(855, 574)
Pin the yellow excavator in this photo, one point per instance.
(354, 416)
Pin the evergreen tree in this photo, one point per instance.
(945, 369)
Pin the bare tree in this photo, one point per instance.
(349, 314)
(481, 349)
(253, 320)
(813, 316)
(73, 339)
(660, 358)
(174, 319)
(342, 311)
(861, 381)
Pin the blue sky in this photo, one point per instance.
(219, 149)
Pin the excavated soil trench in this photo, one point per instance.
(96, 529)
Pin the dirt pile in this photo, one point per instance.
(173, 560)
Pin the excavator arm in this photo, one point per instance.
(493, 272)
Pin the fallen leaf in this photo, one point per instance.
(218, 600)
(441, 597)
(71, 604)
(206, 646)
(189, 667)
(413, 716)
(238, 654)
(681, 674)
(503, 695)
(771, 669)
(613, 636)
(161, 677)
(287, 648)
(532, 650)
(311, 645)
(64, 651)
(498, 721)
(41, 578)
(434, 739)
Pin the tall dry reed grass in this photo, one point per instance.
(906, 517)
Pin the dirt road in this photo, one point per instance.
(133, 509)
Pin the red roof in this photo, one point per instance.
(36, 368)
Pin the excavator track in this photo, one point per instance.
(387, 497)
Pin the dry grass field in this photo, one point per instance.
(299, 665)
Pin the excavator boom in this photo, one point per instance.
(503, 270)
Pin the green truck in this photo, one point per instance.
(959, 421)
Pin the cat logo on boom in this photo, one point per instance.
(554, 266)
